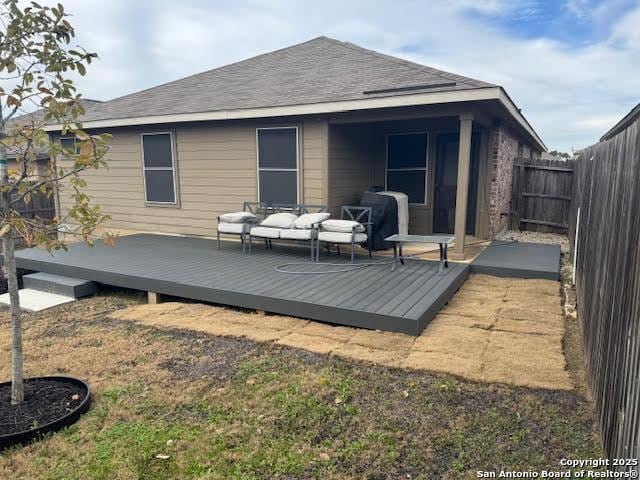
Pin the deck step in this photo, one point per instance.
(66, 286)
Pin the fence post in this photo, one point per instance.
(516, 195)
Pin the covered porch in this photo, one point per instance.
(439, 157)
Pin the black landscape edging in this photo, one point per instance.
(70, 418)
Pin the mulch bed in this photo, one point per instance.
(45, 401)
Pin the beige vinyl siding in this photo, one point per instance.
(314, 162)
(354, 163)
(216, 168)
(217, 172)
(213, 178)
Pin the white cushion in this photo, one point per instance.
(341, 237)
(295, 234)
(344, 226)
(231, 227)
(265, 232)
(279, 220)
(238, 217)
(308, 220)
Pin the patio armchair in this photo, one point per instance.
(239, 223)
(353, 229)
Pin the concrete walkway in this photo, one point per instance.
(493, 330)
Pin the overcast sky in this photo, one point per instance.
(572, 66)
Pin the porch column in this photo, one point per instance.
(462, 187)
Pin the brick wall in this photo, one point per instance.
(503, 151)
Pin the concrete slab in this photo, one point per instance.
(519, 260)
(35, 300)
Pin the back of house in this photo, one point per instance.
(319, 122)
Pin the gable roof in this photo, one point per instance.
(321, 75)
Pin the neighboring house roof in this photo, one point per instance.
(37, 116)
(627, 120)
(318, 76)
(551, 156)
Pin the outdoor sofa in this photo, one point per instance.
(298, 222)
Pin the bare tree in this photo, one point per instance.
(38, 63)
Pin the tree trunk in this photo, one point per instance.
(9, 261)
(17, 383)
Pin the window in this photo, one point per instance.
(407, 165)
(278, 164)
(158, 168)
(68, 144)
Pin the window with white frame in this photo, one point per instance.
(68, 145)
(407, 165)
(158, 167)
(278, 164)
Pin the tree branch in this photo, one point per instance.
(42, 183)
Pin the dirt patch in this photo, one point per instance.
(217, 358)
(494, 330)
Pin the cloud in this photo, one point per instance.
(601, 123)
(581, 9)
(568, 91)
(627, 31)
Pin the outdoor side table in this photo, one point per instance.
(443, 242)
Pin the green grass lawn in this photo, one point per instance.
(184, 405)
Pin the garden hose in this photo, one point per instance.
(351, 267)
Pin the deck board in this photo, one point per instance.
(404, 300)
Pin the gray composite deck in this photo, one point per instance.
(519, 260)
(373, 297)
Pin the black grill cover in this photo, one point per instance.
(384, 218)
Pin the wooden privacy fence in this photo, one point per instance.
(541, 195)
(605, 233)
(40, 205)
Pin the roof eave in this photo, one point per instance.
(428, 98)
(519, 117)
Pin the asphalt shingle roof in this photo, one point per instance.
(317, 71)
